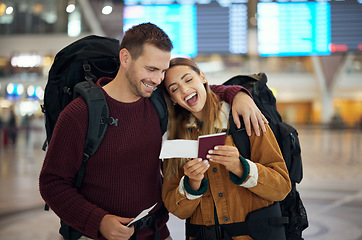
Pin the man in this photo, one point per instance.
(123, 177)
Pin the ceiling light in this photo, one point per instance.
(71, 6)
(9, 10)
(107, 9)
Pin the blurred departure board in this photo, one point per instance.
(294, 29)
(222, 29)
(346, 26)
(178, 21)
(303, 28)
(195, 27)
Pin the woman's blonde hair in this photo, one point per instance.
(179, 118)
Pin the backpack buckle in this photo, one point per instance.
(86, 67)
(148, 221)
(110, 121)
(67, 90)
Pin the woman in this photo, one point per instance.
(216, 194)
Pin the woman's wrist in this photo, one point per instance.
(194, 184)
(245, 172)
(188, 192)
(238, 170)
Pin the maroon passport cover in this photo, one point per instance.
(207, 142)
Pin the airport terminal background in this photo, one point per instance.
(318, 91)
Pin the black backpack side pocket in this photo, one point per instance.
(290, 146)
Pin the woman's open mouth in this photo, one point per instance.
(192, 99)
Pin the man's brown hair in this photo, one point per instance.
(136, 37)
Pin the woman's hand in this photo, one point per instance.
(195, 169)
(227, 156)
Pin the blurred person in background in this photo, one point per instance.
(11, 128)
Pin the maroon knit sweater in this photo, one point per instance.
(122, 178)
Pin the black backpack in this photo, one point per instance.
(83, 61)
(287, 137)
(74, 72)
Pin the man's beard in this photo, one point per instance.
(136, 84)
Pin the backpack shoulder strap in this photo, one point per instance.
(240, 137)
(159, 102)
(98, 118)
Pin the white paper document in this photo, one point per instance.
(179, 148)
(144, 213)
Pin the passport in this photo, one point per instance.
(207, 142)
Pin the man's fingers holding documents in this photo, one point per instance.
(112, 227)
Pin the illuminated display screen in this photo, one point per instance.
(294, 29)
(346, 26)
(178, 21)
(195, 27)
(222, 29)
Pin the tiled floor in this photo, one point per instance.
(331, 188)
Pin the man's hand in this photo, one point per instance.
(113, 227)
(244, 105)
